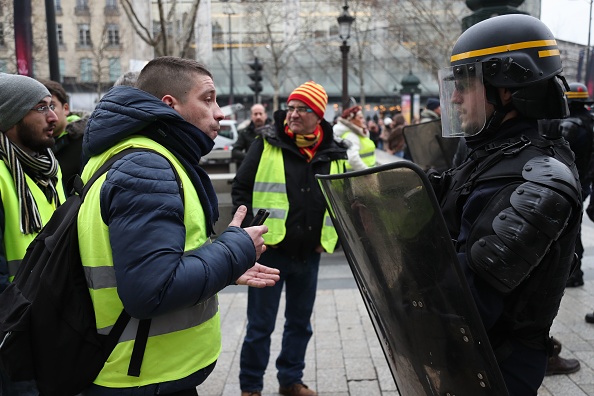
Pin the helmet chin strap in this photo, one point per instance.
(494, 122)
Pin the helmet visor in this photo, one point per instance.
(462, 97)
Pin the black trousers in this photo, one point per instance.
(189, 392)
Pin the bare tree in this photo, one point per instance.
(278, 33)
(416, 34)
(173, 31)
(7, 51)
(429, 29)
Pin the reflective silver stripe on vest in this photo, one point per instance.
(13, 266)
(277, 214)
(175, 321)
(369, 154)
(100, 277)
(265, 187)
(328, 221)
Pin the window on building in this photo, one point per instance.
(84, 35)
(60, 34)
(111, 3)
(113, 35)
(58, 4)
(115, 69)
(82, 3)
(62, 67)
(3, 66)
(2, 40)
(86, 69)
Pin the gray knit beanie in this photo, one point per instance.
(18, 95)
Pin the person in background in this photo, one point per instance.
(578, 130)
(351, 130)
(432, 110)
(152, 216)
(259, 119)
(374, 132)
(30, 181)
(128, 78)
(395, 143)
(68, 133)
(278, 174)
(515, 252)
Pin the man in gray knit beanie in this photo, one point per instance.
(18, 95)
(31, 187)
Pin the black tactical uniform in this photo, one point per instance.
(513, 207)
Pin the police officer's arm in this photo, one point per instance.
(243, 183)
(142, 207)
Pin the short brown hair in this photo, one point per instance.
(170, 75)
(57, 90)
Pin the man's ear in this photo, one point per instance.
(506, 95)
(66, 109)
(169, 101)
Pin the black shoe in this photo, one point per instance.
(558, 365)
(590, 318)
(575, 281)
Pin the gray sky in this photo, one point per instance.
(568, 19)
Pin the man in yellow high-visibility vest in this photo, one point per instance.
(144, 231)
(30, 180)
(278, 174)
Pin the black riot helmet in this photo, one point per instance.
(578, 93)
(515, 51)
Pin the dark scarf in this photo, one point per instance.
(43, 169)
(188, 149)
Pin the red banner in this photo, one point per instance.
(23, 37)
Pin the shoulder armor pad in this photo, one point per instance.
(536, 215)
(554, 174)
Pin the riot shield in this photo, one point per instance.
(428, 148)
(405, 266)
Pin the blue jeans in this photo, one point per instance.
(301, 280)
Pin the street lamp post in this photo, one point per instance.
(345, 20)
(588, 47)
(230, 12)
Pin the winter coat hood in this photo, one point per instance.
(126, 111)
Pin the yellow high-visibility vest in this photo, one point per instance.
(270, 192)
(180, 343)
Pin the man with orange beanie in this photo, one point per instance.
(278, 174)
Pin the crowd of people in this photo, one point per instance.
(152, 215)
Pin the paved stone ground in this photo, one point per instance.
(345, 358)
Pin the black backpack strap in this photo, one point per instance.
(139, 347)
(144, 325)
(116, 331)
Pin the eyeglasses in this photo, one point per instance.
(44, 109)
(300, 110)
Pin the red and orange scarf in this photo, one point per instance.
(307, 144)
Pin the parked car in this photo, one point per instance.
(227, 135)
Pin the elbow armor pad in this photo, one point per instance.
(521, 234)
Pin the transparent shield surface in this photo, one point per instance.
(428, 148)
(462, 100)
(405, 266)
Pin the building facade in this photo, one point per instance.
(295, 40)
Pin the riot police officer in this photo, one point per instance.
(577, 129)
(513, 207)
